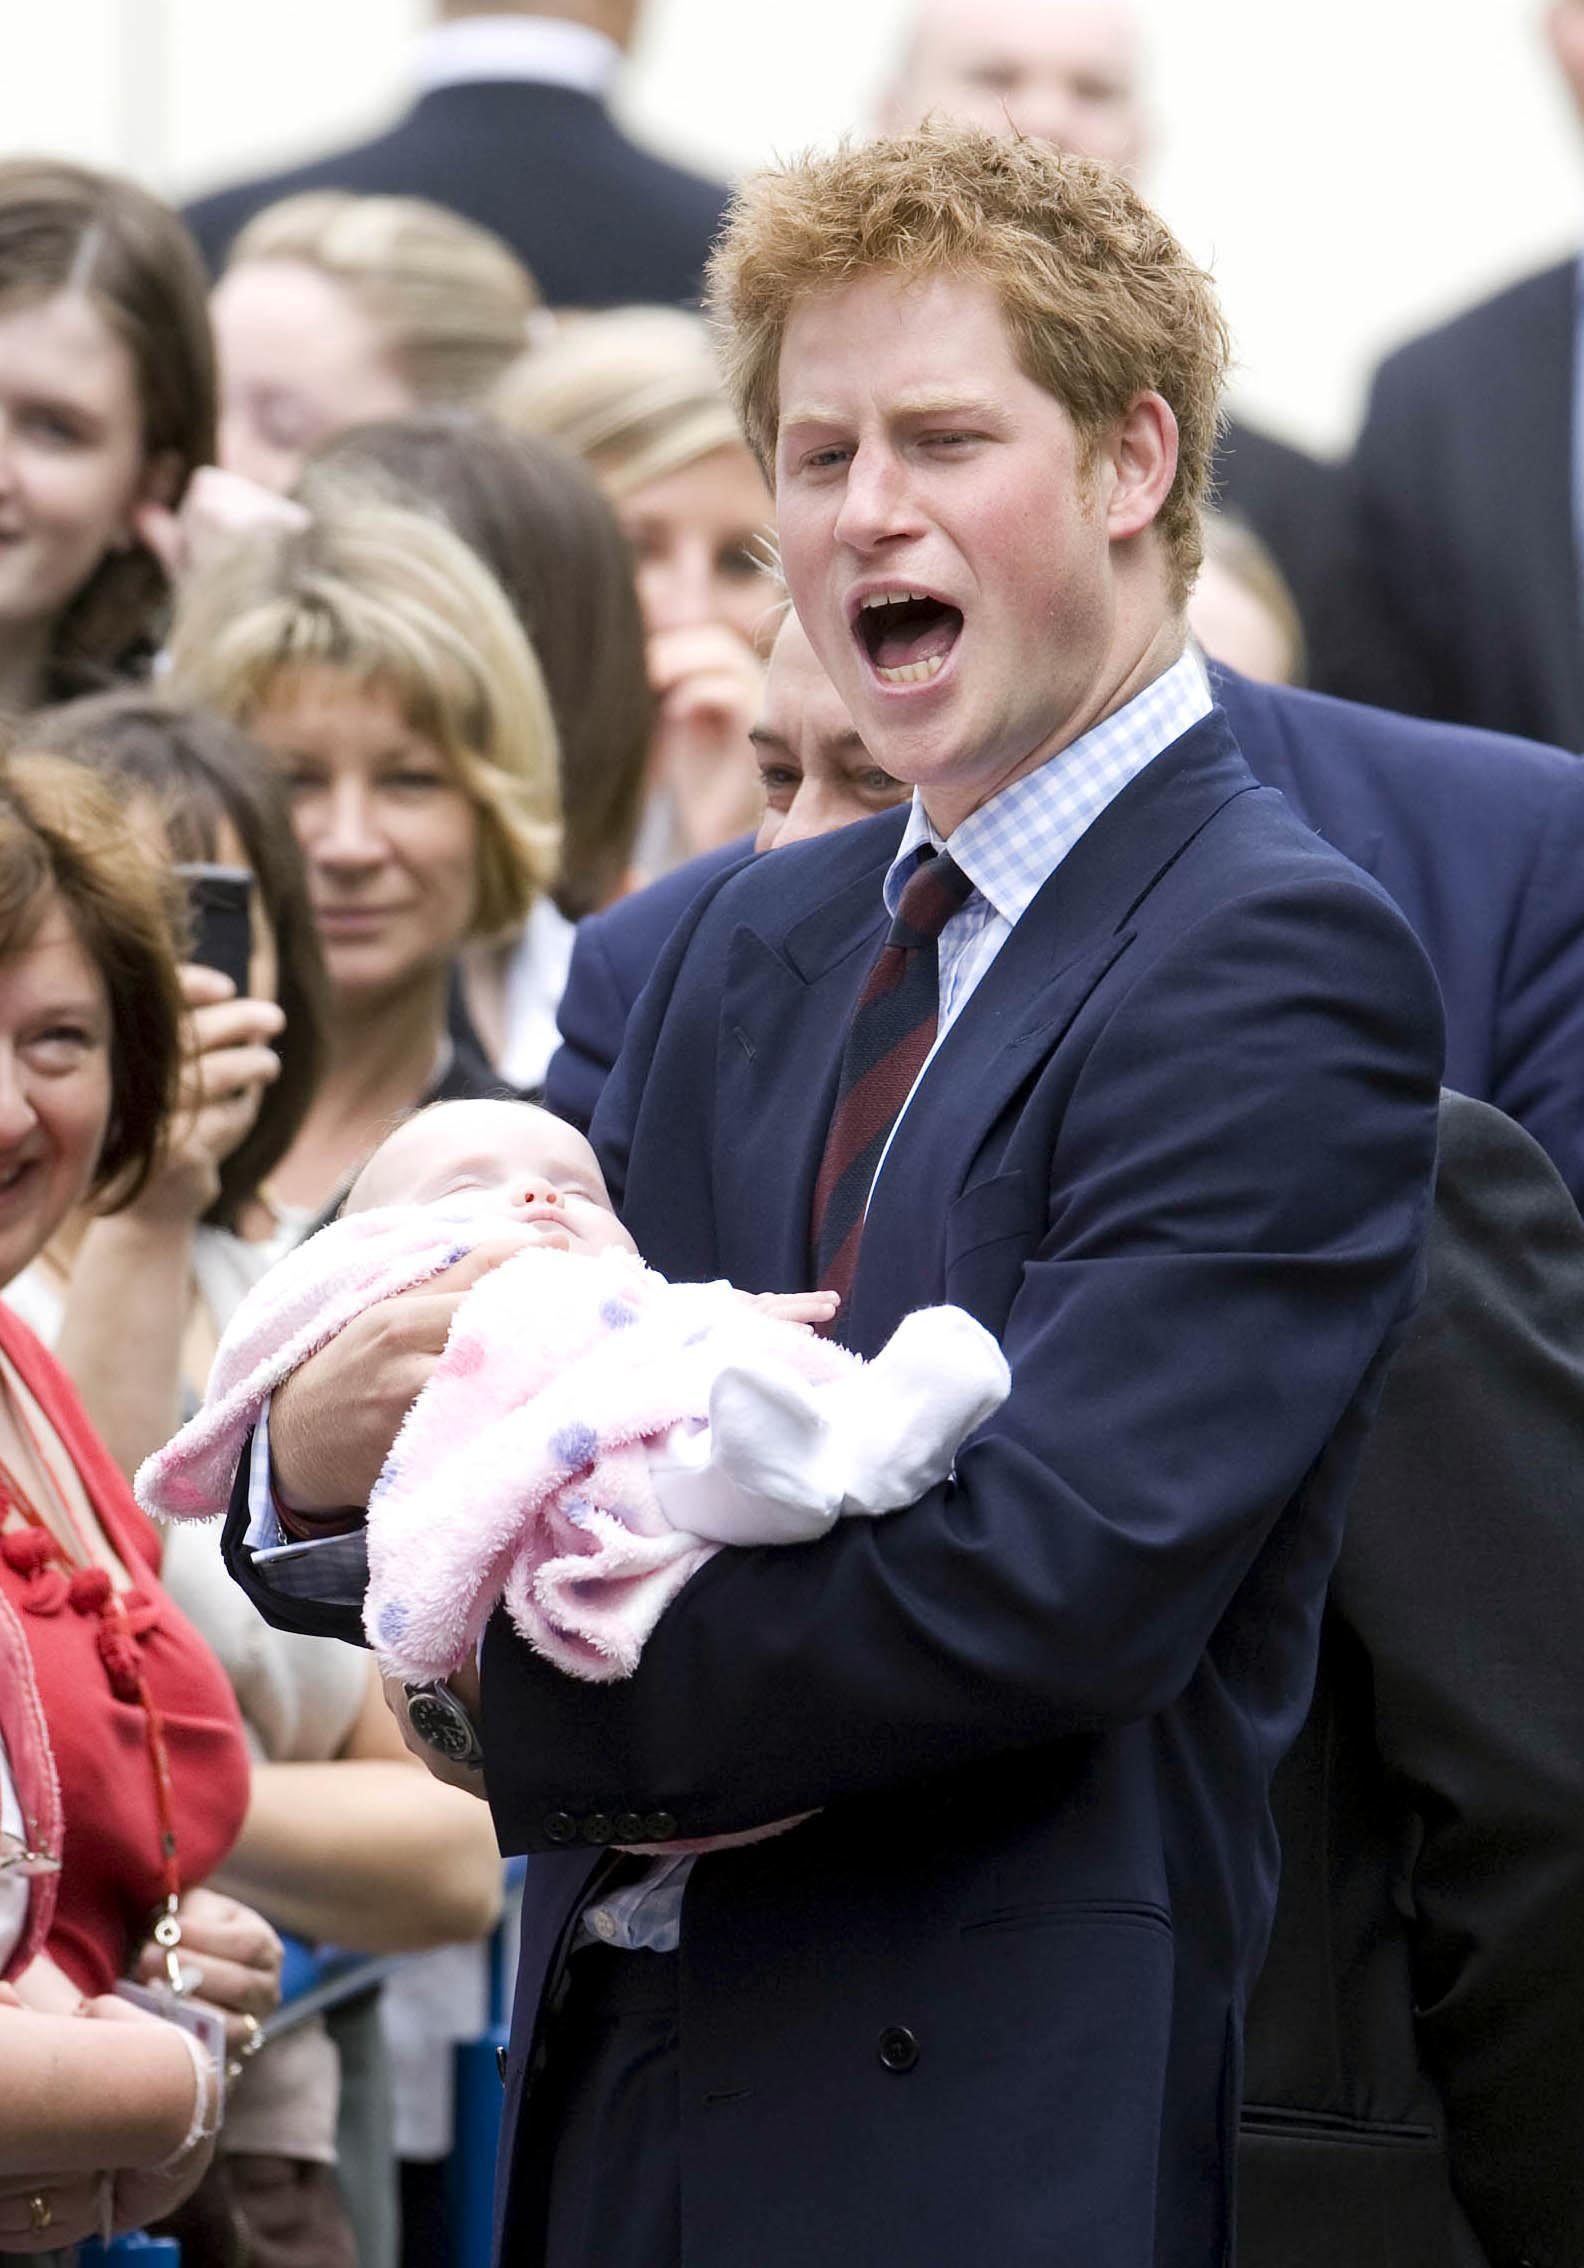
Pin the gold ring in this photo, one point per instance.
(41, 2213)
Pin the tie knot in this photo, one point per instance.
(935, 890)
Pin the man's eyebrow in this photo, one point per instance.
(845, 744)
(938, 401)
(946, 401)
(765, 736)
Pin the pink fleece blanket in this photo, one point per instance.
(519, 1473)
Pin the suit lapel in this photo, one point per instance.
(785, 1010)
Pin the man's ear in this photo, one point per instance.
(1142, 455)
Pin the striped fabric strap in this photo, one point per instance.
(888, 1044)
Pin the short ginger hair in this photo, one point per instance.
(1101, 302)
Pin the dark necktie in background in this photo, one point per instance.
(888, 1042)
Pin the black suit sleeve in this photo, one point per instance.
(1463, 1572)
(1386, 617)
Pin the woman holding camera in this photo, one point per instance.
(379, 663)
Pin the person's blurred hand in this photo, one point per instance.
(333, 1421)
(227, 1062)
(218, 508)
(72, 2207)
(141, 2196)
(708, 685)
(237, 1959)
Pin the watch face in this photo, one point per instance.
(441, 1723)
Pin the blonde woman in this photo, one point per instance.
(335, 309)
(378, 662)
(636, 395)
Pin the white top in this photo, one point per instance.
(13, 1886)
(227, 1266)
(542, 48)
(536, 977)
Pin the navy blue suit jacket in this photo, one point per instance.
(597, 220)
(1176, 1154)
(1478, 838)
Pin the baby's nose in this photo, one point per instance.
(540, 1193)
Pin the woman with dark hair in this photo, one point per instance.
(340, 1838)
(146, 1746)
(107, 408)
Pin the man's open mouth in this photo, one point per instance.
(907, 634)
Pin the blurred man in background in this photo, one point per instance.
(1072, 73)
(511, 129)
(1468, 501)
(1069, 73)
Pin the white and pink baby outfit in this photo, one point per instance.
(589, 1436)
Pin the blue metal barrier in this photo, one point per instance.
(470, 2175)
(133, 2251)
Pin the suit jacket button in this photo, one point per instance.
(630, 1827)
(597, 1828)
(899, 2050)
(561, 1827)
(501, 2061)
(659, 1827)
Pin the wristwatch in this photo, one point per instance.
(443, 1724)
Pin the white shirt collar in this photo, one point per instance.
(542, 48)
(1011, 845)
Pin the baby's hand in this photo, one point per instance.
(798, 1306)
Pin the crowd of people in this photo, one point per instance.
(850, 1046)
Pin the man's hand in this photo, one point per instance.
(333, 1421)
(813, 1307)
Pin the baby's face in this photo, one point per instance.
(497, 1157)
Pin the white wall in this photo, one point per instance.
(1351, 171)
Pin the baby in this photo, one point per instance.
(591, 1433)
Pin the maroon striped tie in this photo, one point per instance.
(888, 1040)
